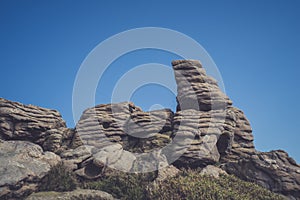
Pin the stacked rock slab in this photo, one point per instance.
(114, 132)
(274, 170)
(218, 132)
(206, 116)
(206, 129)
(196, 90)
(35, 124)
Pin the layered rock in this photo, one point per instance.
(115, 132)
(205, 130)
(35, 124)
(216, 130)
(211, 130)
(22, 165)
(196, 90)
(273, 170)
(241, 144)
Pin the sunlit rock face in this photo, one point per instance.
(217, 130)
(196, 90)
(205, 130)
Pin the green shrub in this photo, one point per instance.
(122, 185)
(188, 184)
(59, 179)
(192, 186)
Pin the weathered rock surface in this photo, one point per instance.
(211, 130)
(167, 172)
(22, 165)
(117, 131)
(273, 170)
(211, 170)
(78, 194)
(205, 130)
(122, 122)
(195, 89)
(35, 124)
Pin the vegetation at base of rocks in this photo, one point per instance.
(60, 178)
(123, 185)
(189, 184)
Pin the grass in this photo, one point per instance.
(59, 179)
(189, 184)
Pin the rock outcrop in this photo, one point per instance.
(216, 130)
(41, 126)
(116, 131)
(22, 165)
(206, 131)
(196, 90)
(274, 170)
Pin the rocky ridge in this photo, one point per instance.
(205, 130)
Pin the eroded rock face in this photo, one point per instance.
(274, 170)
(35, 124)
(205, 130)
(22, 165)
(214, 130)
(117, 131)
(196, 134)
(122, 122)
(195, 89)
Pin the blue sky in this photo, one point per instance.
(255, 44)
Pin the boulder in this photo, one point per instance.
(213, 171)
(167, 172)
(22, 165)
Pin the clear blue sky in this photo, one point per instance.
(255, 44)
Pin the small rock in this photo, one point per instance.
(79, 194)
(213, 171)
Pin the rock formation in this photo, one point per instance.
(219, 131)
(22, 165)
(206, 131)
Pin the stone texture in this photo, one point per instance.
(117, 131)
(118, 122)
(238, 135)
(167, 172)
(196, 90)
(79, 194)
(75, 158)
(35, 124)
(22, 165)
(195, 137)
(205, 130)
(211, 170)
(209, 128)
(273, 170)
